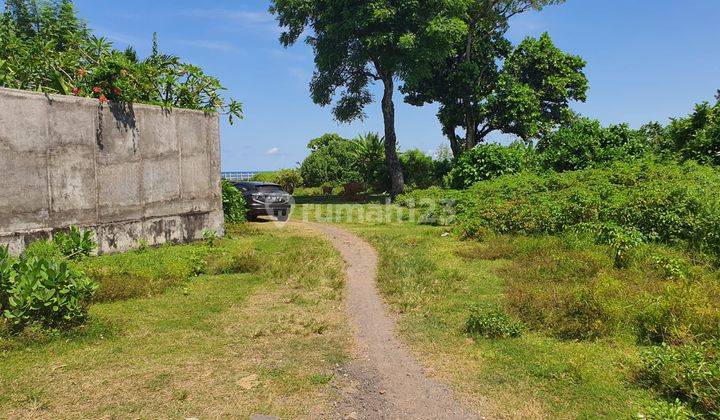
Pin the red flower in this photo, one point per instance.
(117, 91)
(75, 91)
(103, 99)
(97, 90)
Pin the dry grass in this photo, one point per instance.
(221, 346)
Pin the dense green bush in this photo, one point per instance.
(331, 160)
(697, 137)
(45, 47)
(288, 179)
(234, 205)
(623, 241)
(7, 275)
(491, 322)
(419, 169)
(584, 143)
(690, 373)
(669, 203)
(75, 244)
(43, 288)
(487, 161)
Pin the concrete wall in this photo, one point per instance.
(130, 174)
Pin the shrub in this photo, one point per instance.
(670, 410)
(676, 204)
(690, 373)
(234, 205)
(331, 160)
(623, 241)
(288, 179)
(491, 322)
(585, 143)
(487, 161)
(45, 47)
(697, 136)
(418, 169)
(46, 290)
(75, 244)
(7, 276)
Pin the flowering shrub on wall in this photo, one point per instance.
(47, 48)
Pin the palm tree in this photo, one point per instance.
(368, 150)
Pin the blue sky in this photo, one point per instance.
(647, 60)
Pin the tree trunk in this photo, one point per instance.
(470, 124)
(470, 129)
(393, 161)
(455, 145)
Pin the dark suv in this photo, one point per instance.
(264, 199)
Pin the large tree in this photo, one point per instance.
(356, 43)
(464, 62)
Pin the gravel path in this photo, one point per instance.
(384, 380)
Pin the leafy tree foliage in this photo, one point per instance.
(335, 160)
(420, 169)
(45, 47)
(356, 43)
(288, 179)
(464, 62)
(697, 137)
(584, 143)
(331, 160)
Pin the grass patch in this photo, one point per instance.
(225, 345)
(436, 290)
(437, 283)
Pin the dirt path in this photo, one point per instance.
(384, 380)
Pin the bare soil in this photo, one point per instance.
(383, 380)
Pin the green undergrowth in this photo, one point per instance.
(150, 271)
(549, 326)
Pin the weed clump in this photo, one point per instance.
(491, 322)
(689, 373)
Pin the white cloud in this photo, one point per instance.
(273, 151)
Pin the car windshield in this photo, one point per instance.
(269, 189)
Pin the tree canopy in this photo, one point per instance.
(356, 43)
(463, 61)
